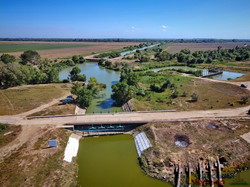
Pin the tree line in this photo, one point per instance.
(126, 40)
(31, 69)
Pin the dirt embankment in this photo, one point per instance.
(28, 161)
(190, 141)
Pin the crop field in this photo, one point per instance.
(19, 47)
(177, 47)
(61, 49)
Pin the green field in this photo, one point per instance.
(19, 47)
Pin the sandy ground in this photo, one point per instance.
(246, 137)
(66, 52)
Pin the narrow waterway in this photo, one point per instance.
(103, 103)
(111, 161)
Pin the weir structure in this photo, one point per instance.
(104, 128)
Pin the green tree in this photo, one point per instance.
(76, 59)
(74, 73)
(122, 92)
(31, 57)
(107, 63)
(84, 97)
(6, 58)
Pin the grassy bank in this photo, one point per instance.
(211, 95)
(24, 98)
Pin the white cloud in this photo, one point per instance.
(164, 27)
(133, 28)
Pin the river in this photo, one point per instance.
(103, 103)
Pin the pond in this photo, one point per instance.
(226, 75)
(102, 104)
(111, 161)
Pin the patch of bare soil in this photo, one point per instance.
(30, 162)
(192, 141)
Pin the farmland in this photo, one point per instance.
(61, 49)
(18, 47)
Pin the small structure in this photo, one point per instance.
(142, 143)
(53, 143)
(71, 149)
(68, 100)
(243, 85)
(212, 72)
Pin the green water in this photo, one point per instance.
(241, 179)
(103, 103)
(111, 161)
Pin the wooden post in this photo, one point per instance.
(219, 173)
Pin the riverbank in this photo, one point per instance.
(198, 141)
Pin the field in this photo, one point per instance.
(56, 109)
(62, 49)
(24, 98)
(205, 139)
(177, 47)
(212, 95)
(33, 163)
(8, 133)
(19, 47)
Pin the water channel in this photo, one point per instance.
(111, 161)
(103, 103)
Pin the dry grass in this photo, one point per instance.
(24, 98)
(212, 95)
(57, 109)
(9, 133)
(34, 164)
(177, 47)
(96, 47)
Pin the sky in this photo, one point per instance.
(166, 19)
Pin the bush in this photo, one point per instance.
(194, 97)
(244, 99)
